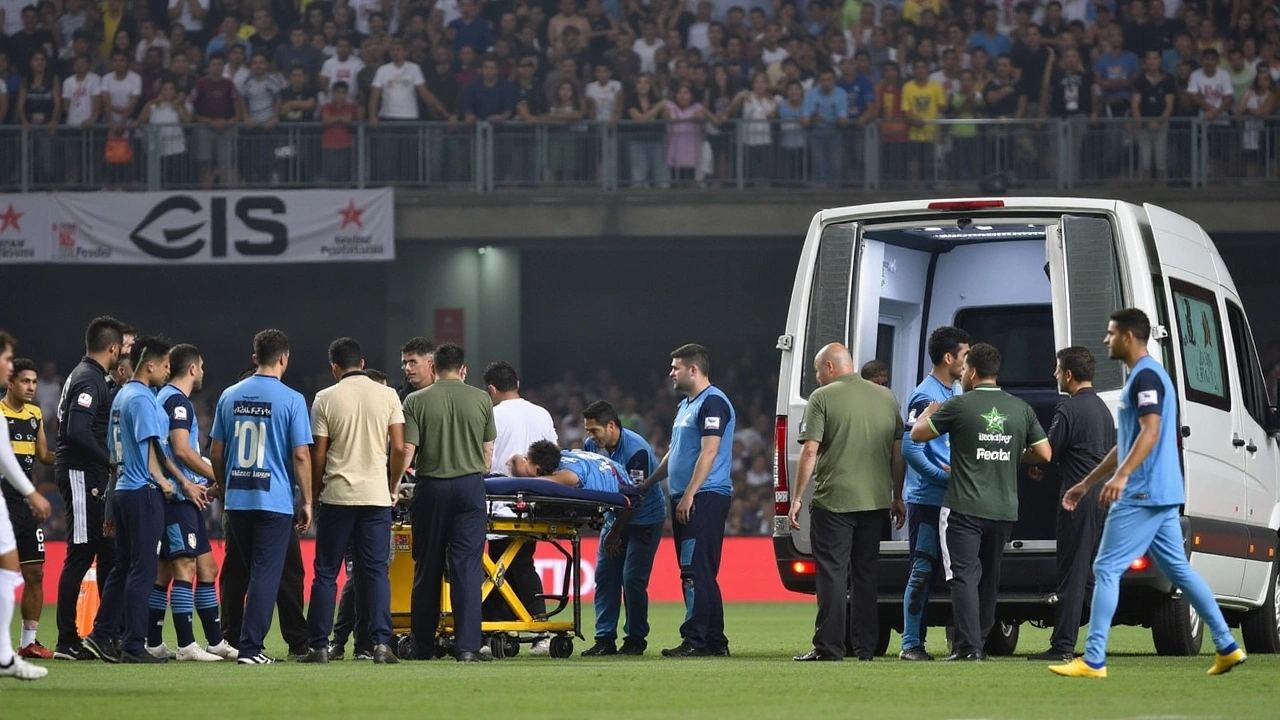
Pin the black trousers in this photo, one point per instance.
(1078, 534)
(449, 519)
(233, 585)
(84, 492)
(977, 547)
(846, 550)
(353, 616)
(522, 576)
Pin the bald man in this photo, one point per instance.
(852, 437)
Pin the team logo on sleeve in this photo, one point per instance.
(180, 413)
(84, 400)
(911, 417)
(1147, 398)
(711, 423)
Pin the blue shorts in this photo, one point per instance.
(184, 532)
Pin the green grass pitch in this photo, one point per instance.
(759, 681)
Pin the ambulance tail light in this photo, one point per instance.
(1140, 564)
(781, 487)
(804, 567)
(966, 205)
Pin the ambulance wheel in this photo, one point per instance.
(1176, 627)
(498, 646)
(513, 646)
(1003, 640)
(561, 647)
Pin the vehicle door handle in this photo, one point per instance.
(1251, 447)
(1237, 441)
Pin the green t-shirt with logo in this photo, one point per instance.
(989, 430)
(855, 423)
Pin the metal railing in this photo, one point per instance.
(1053, 153)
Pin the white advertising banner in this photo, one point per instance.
(220, 228)
(25, 228)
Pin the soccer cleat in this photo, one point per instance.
(161, 651)
(915, 654)
(259, 659)
(542, 648)
(36, 651)
(1078, 668)
(73, 652)
(22, 670)
(195, 653)
(223, 650)
(1223, 664)
(684, 649)
(104, 650)
(601, 648)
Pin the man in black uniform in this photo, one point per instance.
(417, 364)
(1081, 435)
(81, 471)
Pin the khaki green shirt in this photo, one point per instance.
(449, 422)
(989, 429)
(855, 423)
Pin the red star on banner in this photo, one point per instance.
(10, 219)
(350, 215)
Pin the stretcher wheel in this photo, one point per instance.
(561, 647)
(513, 646)
(498, 646)
(404, 647)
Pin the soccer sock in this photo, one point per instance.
(207, 608)
(159, 603)
(10, 581)
(183, 601)
(1229, 649)
(29, 628)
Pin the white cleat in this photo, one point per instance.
(162, 651)
(224, 651)
(22, 670)
(542, 648)
(195, 653)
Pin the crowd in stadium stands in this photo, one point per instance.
(785, 87)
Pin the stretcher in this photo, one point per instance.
(524, 510)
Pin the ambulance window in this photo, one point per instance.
(1204, 363)
(1024, 335)
(828, 298)
(1252, 384)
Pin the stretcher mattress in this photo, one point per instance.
(511, 487)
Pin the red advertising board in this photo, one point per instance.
(748, 571)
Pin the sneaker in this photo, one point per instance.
(142, 658)
(223, 650)
(486, 651)
(1079, 668)
(915, 654)
(684, 649)
(161, 651)
(1222, 664)
(1052, 656)
(337, 652)
(259, 659)
(635, 647)
(195, 653)
(363, 654)
(36, 651)
(73, 652)
(542, 648)
(22, 670)
(102, 649)
(601, 648)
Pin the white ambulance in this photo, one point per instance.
(1030, 276)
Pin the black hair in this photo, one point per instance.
(695, 356)
(345, 353)
(376, 375)
(874, 368)
(502, 376)
(215, 56)
(147, 346)
(269, 345)
(1133, 320)
(23, 365)
(103, 332)
(417, 346)
(7, 342)
(182, 357)
(946, 339)
(340, 85)
(602, 412)
(1209, 52)
(1079, 361)
(985, 359)
(545, 456)
(248, 372)
(448, 357)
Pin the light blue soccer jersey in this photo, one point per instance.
(636, 458)
(261, 421)
(180, 414)
(707, 414)
(136, 419)
(1158, 480)
(595, 472)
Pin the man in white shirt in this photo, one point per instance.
(700, 29)
(81, 97)
(121, 89)
(342, 67)
(191, 14)
(1210, 88)
(604, 96)
(397, 86)
(520, 423)
(647, 46)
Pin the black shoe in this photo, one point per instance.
(718, 651)
(105, 650)
(337, 652)
(259, 659)
(815, 656)
(382, 655)
(684, 649)
(915, 654)
(602, 648)
(362, 654)
(73, 652)
(1052, 656)
(967, 657)
(633, 647)
(316, 656)
(142, 658)
(467, 656)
